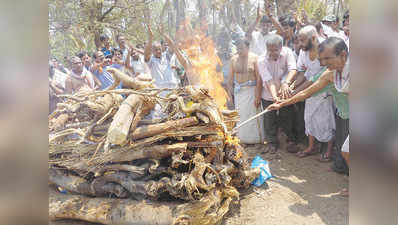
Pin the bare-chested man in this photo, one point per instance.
(243, 73)
(79, 77)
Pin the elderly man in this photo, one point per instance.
(158, 64)
(273, 67)
(243, 71)
(333, 53)
(319, 113)
(79, 77)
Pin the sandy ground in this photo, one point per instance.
(302, 191)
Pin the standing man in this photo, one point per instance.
(273, 68)
(243, 71)
(331, 28)
(121, 41)
(158, 64)
(257, 38)
(78, 77)
(333, 53)
(135, 63)
(319, 113)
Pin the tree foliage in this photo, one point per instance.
(75, 25)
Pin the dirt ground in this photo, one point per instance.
(302, 192)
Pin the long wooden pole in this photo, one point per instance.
(248, 120)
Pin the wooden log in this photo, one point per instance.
(152, 130)
(120, 126)
(153, 152)
(140, 171)
(80, 185)
(71, 222)
(103, 104)
(109, 210)
(143, 109)
(69, 182)
(126, 154)
(184, 132)
(127, 80)
(208, 210)
(59, 122)
(203, 117)
(150, 188)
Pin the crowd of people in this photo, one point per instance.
(299, 72)
(276, 65)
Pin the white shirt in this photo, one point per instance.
(258, 44)
(275, 70)
(162, 73)
(329, 32)
(304, 64)
(139, 66)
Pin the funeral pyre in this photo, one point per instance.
(110, 163)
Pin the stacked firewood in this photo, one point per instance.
(144, 156)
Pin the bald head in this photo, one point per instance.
(308, 31)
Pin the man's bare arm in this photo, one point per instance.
(148, 46)
(274, 20)
(285, 86)
(184, 62)
(251, 28)
(318, 85)
(302, 86)
(272, 88)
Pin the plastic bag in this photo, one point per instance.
(265, 174)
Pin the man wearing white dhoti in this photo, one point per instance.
(318, 113)
(333, 53)
(243, 74)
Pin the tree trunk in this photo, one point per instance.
(120, 126)
(80, 185)
(155, 129)
(178, 18)
(237, 12)
(203, 12)
(109, 211)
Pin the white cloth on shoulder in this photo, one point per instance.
(318, 112)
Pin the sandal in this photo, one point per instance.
(302, 154)
(325, 158)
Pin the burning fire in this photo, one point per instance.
(204, 59)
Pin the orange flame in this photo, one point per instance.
(204, 59)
